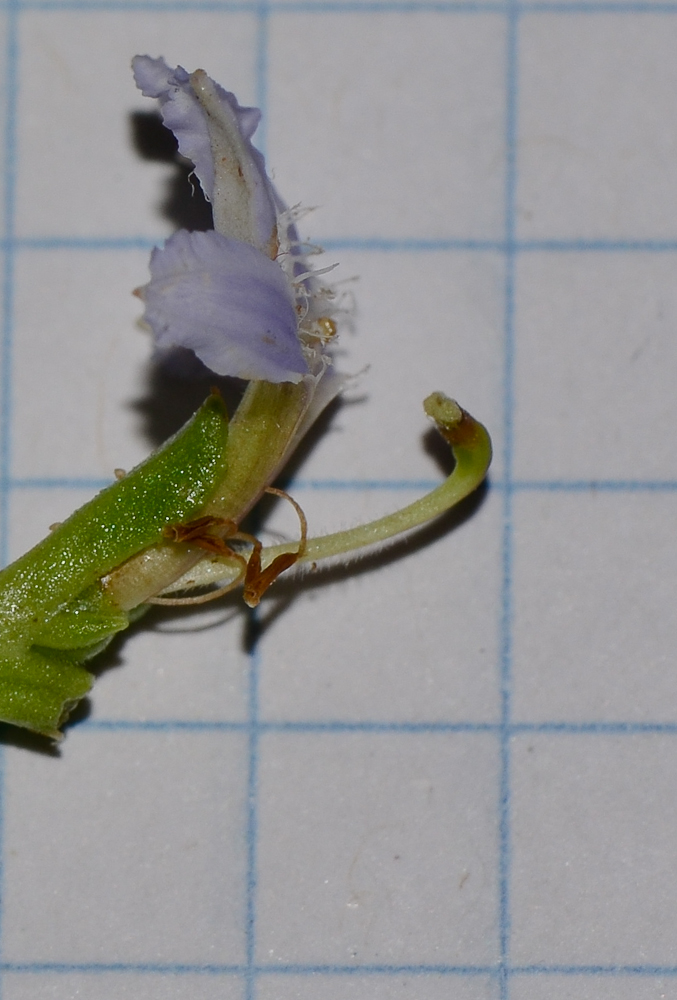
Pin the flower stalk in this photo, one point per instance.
(471, 447)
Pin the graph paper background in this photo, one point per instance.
(449, 775)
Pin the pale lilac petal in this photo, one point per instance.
(214, 132)
(181, 113)
(227, 302)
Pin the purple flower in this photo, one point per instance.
(242, 296)
(214, 132)
(229, 303)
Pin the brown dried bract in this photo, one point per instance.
(257, 580)
(210, 533)
(207, 533)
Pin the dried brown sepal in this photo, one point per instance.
(207, 533)
(257, 580)
(210, 533)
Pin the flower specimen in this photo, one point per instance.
(245, 300)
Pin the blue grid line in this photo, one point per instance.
(59, 483)
(126, 967)
(598, 8)
(238, 970)
(87, 244)
(593, 727)
(275, 969)
(516, 485)
(596, 970)
(596, 246)
(290, 969)
(478, 970)
(300, 726)
(92, 244)
(595, 485)
(394, 485)
(516, 246)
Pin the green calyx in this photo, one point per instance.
(54, 613)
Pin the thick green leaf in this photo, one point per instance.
(39, 687)
(53, 611)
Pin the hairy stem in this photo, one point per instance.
(471, 446)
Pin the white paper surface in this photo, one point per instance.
(449, 774)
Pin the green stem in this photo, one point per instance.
(471, 447)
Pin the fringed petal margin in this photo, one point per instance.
(227, 302)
